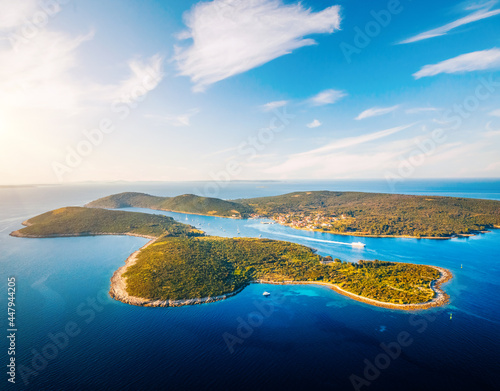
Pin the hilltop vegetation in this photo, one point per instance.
(182, 263)
(87, 221)
(187, 203)
(383, 214)
(185, 268)
(337, 212)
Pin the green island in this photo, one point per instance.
(347, 213)
(78, 221)
(181, 265)
(187, 203)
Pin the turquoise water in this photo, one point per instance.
(302, 337)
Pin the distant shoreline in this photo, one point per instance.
(359, 235)
(118, 291)
(18, 234)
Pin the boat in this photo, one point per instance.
(266, 294)
(358, 244)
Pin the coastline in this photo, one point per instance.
(440, 299)
(170, 210)
(360, 235)
(26, 223)
(17, 234)
(118, 291)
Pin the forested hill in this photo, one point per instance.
(383, 214)
(187, 203)
(337, 212)
(77, 221)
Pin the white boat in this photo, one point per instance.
(266, 294)
(358, 244)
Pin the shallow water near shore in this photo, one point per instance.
(301, 337)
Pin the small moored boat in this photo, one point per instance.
(266, 294)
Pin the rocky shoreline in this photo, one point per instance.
(440, 299)
(118, 291)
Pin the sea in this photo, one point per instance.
(68, 334)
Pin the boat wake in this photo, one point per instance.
(355, 244)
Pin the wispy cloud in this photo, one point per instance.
(15, 13)
(495, 113)
(327, 97)
(475, 61)
(490, 131)
(343, 156)
(376, 111)
(144, 76)
(314, 124)
(353, 141)
(175, 120)
(274, 105)
(418, 110)
(483, 13)
(231, 37)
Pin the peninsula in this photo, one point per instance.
(346, 213)
(182, 266)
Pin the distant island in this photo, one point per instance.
(182, 266)
(345, 213)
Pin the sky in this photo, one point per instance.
(248, 90)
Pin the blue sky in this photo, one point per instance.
(248, 89)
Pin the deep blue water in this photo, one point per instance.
(308, 338)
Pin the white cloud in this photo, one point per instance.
(144, 77)
(48, 97)
(314, 124)
(274, 105)
(327, 97)
(15, 13)
(475, 61)
(233, 36)
(483, 13)
(37, 74)
(418, 110)
(495, 113)
(175, 120)
(376, 111)
(490, 131)
(345, 157)
(349, 142)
